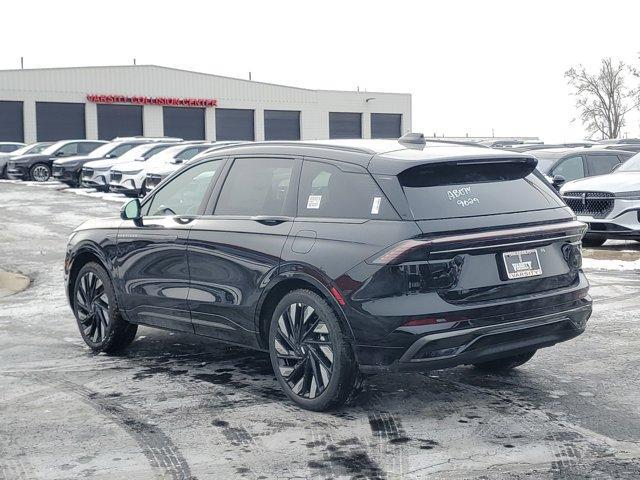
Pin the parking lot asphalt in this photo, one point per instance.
(175, 406)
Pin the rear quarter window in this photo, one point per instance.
(451, 190)
(326, 191)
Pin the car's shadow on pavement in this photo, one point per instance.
(205, 363)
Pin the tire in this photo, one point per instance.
(593, 240)
(40, 172)
(505, 364)
(316, 377)
(94, 305)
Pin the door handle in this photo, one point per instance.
(270, 219)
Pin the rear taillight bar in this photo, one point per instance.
(396, 252)
(399, 250)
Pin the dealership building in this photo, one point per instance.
(107, 102)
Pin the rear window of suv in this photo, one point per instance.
(452, 190)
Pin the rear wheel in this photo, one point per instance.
(310, 352)
(505, 364)
(593, 240)
(40, 172)
(94, 304)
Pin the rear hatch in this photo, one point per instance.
(491, 229)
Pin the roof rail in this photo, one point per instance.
(418, 140)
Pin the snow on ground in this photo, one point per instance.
(618, 265)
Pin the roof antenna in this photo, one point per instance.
(134, 61)
(413, 140)
(21, 63)
(249, 75)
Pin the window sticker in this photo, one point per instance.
(375, 207)
(314, 201)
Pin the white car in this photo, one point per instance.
(129, 177)
(8, 147)
(97, 174)
(158, 172)
(609, 204)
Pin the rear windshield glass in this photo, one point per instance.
(453, 190)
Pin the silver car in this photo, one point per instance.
(610, 203)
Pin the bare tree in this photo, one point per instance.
(603, 98)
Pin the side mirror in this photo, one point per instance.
(59, 153)
(131, 211)
(558, 181)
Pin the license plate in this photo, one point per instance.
(522, 264)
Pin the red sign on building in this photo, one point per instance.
(163, 101)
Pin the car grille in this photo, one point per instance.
(87, 172)
(593, 204)
(116, 177)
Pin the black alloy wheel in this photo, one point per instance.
(92, 306)
(40, 172)
(101, 325)
(311, 353)
(304, 350)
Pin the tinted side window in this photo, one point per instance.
(184, 194)
(67, 150)
(188, 153)
(602, 164)
(328, 192)
(152, 151)
(571, 168)
(88, 147)
(256, 186)
(120, 149)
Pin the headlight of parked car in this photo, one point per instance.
(629, 195)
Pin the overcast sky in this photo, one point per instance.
(472, 66)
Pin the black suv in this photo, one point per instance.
(341, 257)
(38, 166)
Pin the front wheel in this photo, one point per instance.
(40, 172)
(505, 364)
(94, 305)
(310, 352)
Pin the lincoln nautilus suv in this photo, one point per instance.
(609, 204)
(340, 258)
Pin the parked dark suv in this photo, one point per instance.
(38, 166)
(341, 257)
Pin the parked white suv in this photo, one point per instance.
(609, 204)
(97, 173)
(129, 177)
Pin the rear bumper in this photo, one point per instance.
(479, 344)
(68, 175)
(17, 172)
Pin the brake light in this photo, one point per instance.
(393, 254)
